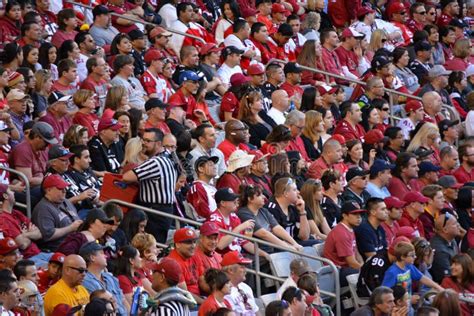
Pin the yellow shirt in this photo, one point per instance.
(61, 293)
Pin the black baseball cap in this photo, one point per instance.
(444, 125)
(422, 153)
(351, 208)
(379, 62)
(291, 67)
(100, 10)
(231, 50)
(155, 103)
(99, 214)
(203, 159)
(356, 172)
(422, 46)
(225, 194)
(58, 151)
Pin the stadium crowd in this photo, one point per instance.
(210, 110)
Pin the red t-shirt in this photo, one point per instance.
(416, 224)
(390, 231)
(398, 188)
(228, 224)
(228, 148)
(340, 243)
(204, 262)
(89, 121)
(23, 156)
(210, 305)
(298, 145)
(66, 90)
(229, 103)
(345, 129)
(127, 286)
(463, 176)
(44, 282)
(10, 226)
(230, 180)
(120, 28)
(60, 126)
(190, 272)
(292, 89)
(161, 125)
(449, 283)
(349, 59)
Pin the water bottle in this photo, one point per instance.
(292, 106)
(135, 302)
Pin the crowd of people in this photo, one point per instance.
(211, 111)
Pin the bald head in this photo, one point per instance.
(74, 270)
(236, 132)
(447, 226)
(280, 100)
(332, 151)
(432, 102)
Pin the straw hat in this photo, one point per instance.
(239, 159)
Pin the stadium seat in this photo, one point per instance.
(268, 298)
(319, 249)
(314, 264)
(352, 281)
(280, 263)
(327, 283)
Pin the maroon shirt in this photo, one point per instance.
(23, 156)
(349, 132)
(11, 226)
(60, 126)
(340, 243)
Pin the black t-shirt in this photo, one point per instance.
(370, 239)
(105, 158)
(372, 273)
(331, 210)
(290, 223)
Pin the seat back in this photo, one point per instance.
(314, 264)
(319, 249)
(268, 298)
(352, 281)
(280, 263)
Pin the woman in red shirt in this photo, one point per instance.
(462, 280)
(86, 102)
(128, 264)
(220, 286)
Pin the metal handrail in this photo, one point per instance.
(256, 242)
(27, 189)
(140, 21)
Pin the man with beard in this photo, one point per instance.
(103, 147)
(68, 290)
(406, 169)
(205, 135)
(350, 126)
(236, 137)
(449, 160)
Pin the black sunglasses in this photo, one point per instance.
(80, 270)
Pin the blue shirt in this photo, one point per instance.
(370, 239)
(109, 283)
(375, 191)
(403, 277)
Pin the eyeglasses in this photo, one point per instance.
(432, 13)
(80, 270)
(422, 12)
(386, 109)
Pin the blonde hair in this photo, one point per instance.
(281, 186)
(114, 97)
(421, 136)
(73, 134)
(81, 96)
(41, 76)
(462, 48)
(308, 190)
(402, 249)
(143, 242)
(133, 149)
(376, 40)
(312, 119)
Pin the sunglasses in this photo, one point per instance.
(386, 109)
(80, 270)
(422, 12)
(447, 216)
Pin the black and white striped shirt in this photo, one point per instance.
(173, 308)
(157, 179)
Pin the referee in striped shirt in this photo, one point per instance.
(157, 179)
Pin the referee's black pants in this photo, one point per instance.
(158, 225)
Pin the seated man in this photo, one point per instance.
(298, 267)
(46, 278)
(201, 194)
(67, 82)
(9, 254)
(55, 215)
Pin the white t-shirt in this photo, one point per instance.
(407, 126)
(277, 116)
(236, 300)
(225, 72)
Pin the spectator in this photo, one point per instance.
(449, 131)
(67, 24)
(220, 286)
(201, 194)
(465, 172)
(296, 300)
(97, 277)
(427, 175)
(85, 101)
(96, 79)
(185, 240)
(236, 135)
(292, 82)
(340, 245)
(374, 90)
(432, 104)
(67, 81)
(331, 203)
(449, 9)
(101, 30)
(379, 179)
(280, 308)
(237, 171)
(68, 290)
(167, 274)
(189, 86)
(447, 301)
(381, 301)
(330, 41)
(449, 160)
(137, 39)
(406, 169)
(390, 225)
(280, 105)
(347, 52)
(279, 41)
(249, 109)
(445, 245)
(436, 203)
(356, 183)
(52, 274)
(421, 65)
(230, 66)
(240, 40)
(298, 268)
(415, 204)
(17, 102)
(30, 34)
(331, 158)
(312, 194)
(370, 235)
(104, 149)
(206, 256)
(9, 253)
(49, 213)
(427, 311)
(414, 110)
(128, 263)
(58, 114)
(206, 138)
(349, 126)
(156, 111)
(9, 294)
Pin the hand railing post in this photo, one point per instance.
(257, 270)
(391, 104)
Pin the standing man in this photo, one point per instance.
(157, 178)
(329, 42)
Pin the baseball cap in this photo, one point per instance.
(97, 306)
(470, 70)
(351, 32)
(458, 23)
(159, 31)
(7, 245)
(291, 67)
(154, 103)
(16, 94)
(58, 151)
(396, 7)
(444, 125)
(57, 257)
(58, 97)
(238, 79)
(90, 248)
(169, 268)
(208, 229)
(184, 234)
(422, 153)
(355, 172)
(188, 75)
(391, 248)
(412, 197)
(203, 159)
(374, 136)
(449, 182)
(413, 105)
(136, 34)
(351, 208)
(326, 89)
(225, 194)
(151, 55)
(4, 127)
(234, 257)
(97, 213)
(340, 139)
(99, 10)
(379, 61)
(422, 46)
(231, 50)
(256, 69)
(394, 202)
(438, 70)
(363, 10)
(407, 232)
(54, 180)
(209, 48)
(45, 131)
(107, 122)
(258, 155)
(280, 8)
(427, 166)
(248, 12)
(65, 310)
(380, 165)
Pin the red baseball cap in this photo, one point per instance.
(65, 310)
(152, 54)
(280, 8)
(209, 48)
(374, 136)
(414, 196)
(341, 139)
(391, 248)
(57, 257)
(325, 89)
(159, 31)
(238, 79)
(413, 105)
(234, 257)
(394, 202)
(107, 122)
(255, 69)
(364, 10)
(169, 268)
(407, 232)
(208, 229)
(396, 7)
(184, 234)
(54, 180)
(7, 245)
(247, 12)
(351, 32)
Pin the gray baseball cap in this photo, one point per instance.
(45, 131)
